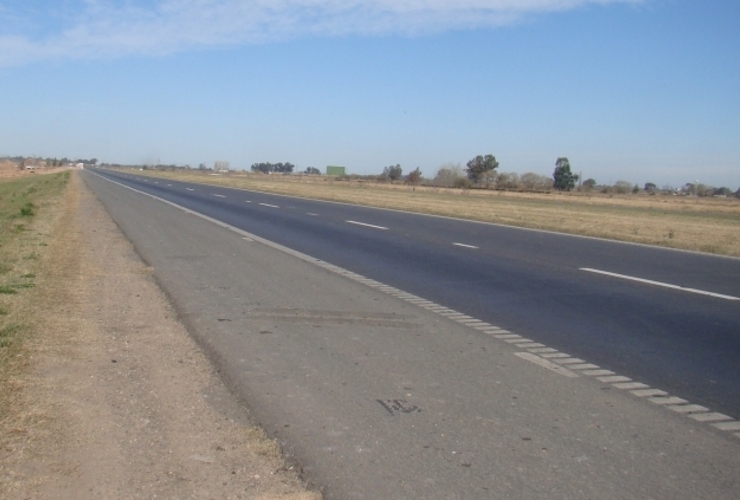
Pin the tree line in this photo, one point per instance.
(267, 168)
(51, 162)
(481, 172)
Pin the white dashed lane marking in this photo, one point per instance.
(367, 225)
(190, 189)
(219, 196)
(466, 246)
(269, 205)
(660, 283)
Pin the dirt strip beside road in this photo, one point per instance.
(118, 401)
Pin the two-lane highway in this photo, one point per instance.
(666, 318)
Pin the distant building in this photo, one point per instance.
(221, 166)
(335, 170)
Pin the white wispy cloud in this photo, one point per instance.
(92, 29)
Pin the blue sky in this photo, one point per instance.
(636, 90)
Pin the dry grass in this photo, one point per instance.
(701, 224)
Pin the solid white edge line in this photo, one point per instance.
(659, 283)
(366, 225)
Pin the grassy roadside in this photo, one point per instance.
(709, 225)
(29, 207)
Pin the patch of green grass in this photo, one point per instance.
(28, 210)
(23, 197)
(28, 275)
(23, 285)
(8, 289)
(7, 333)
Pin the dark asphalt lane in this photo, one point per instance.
(527, 281)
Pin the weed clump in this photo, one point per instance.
(28, 210)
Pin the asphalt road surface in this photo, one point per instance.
(447, 359)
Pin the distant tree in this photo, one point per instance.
(448, 174)
(202, 166)
(588, 184)
(723, 191)
(480, 168)
(93, 161)
(563, 178)
(261, 167)
(462, 183)
(650, 187)
(535, 182)
(414, 177)
(697, 189)
(622, 187)
(635, 189)
(528, 181)
(393, 172)
(507, 180)
(266, 168)
(313, 171)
